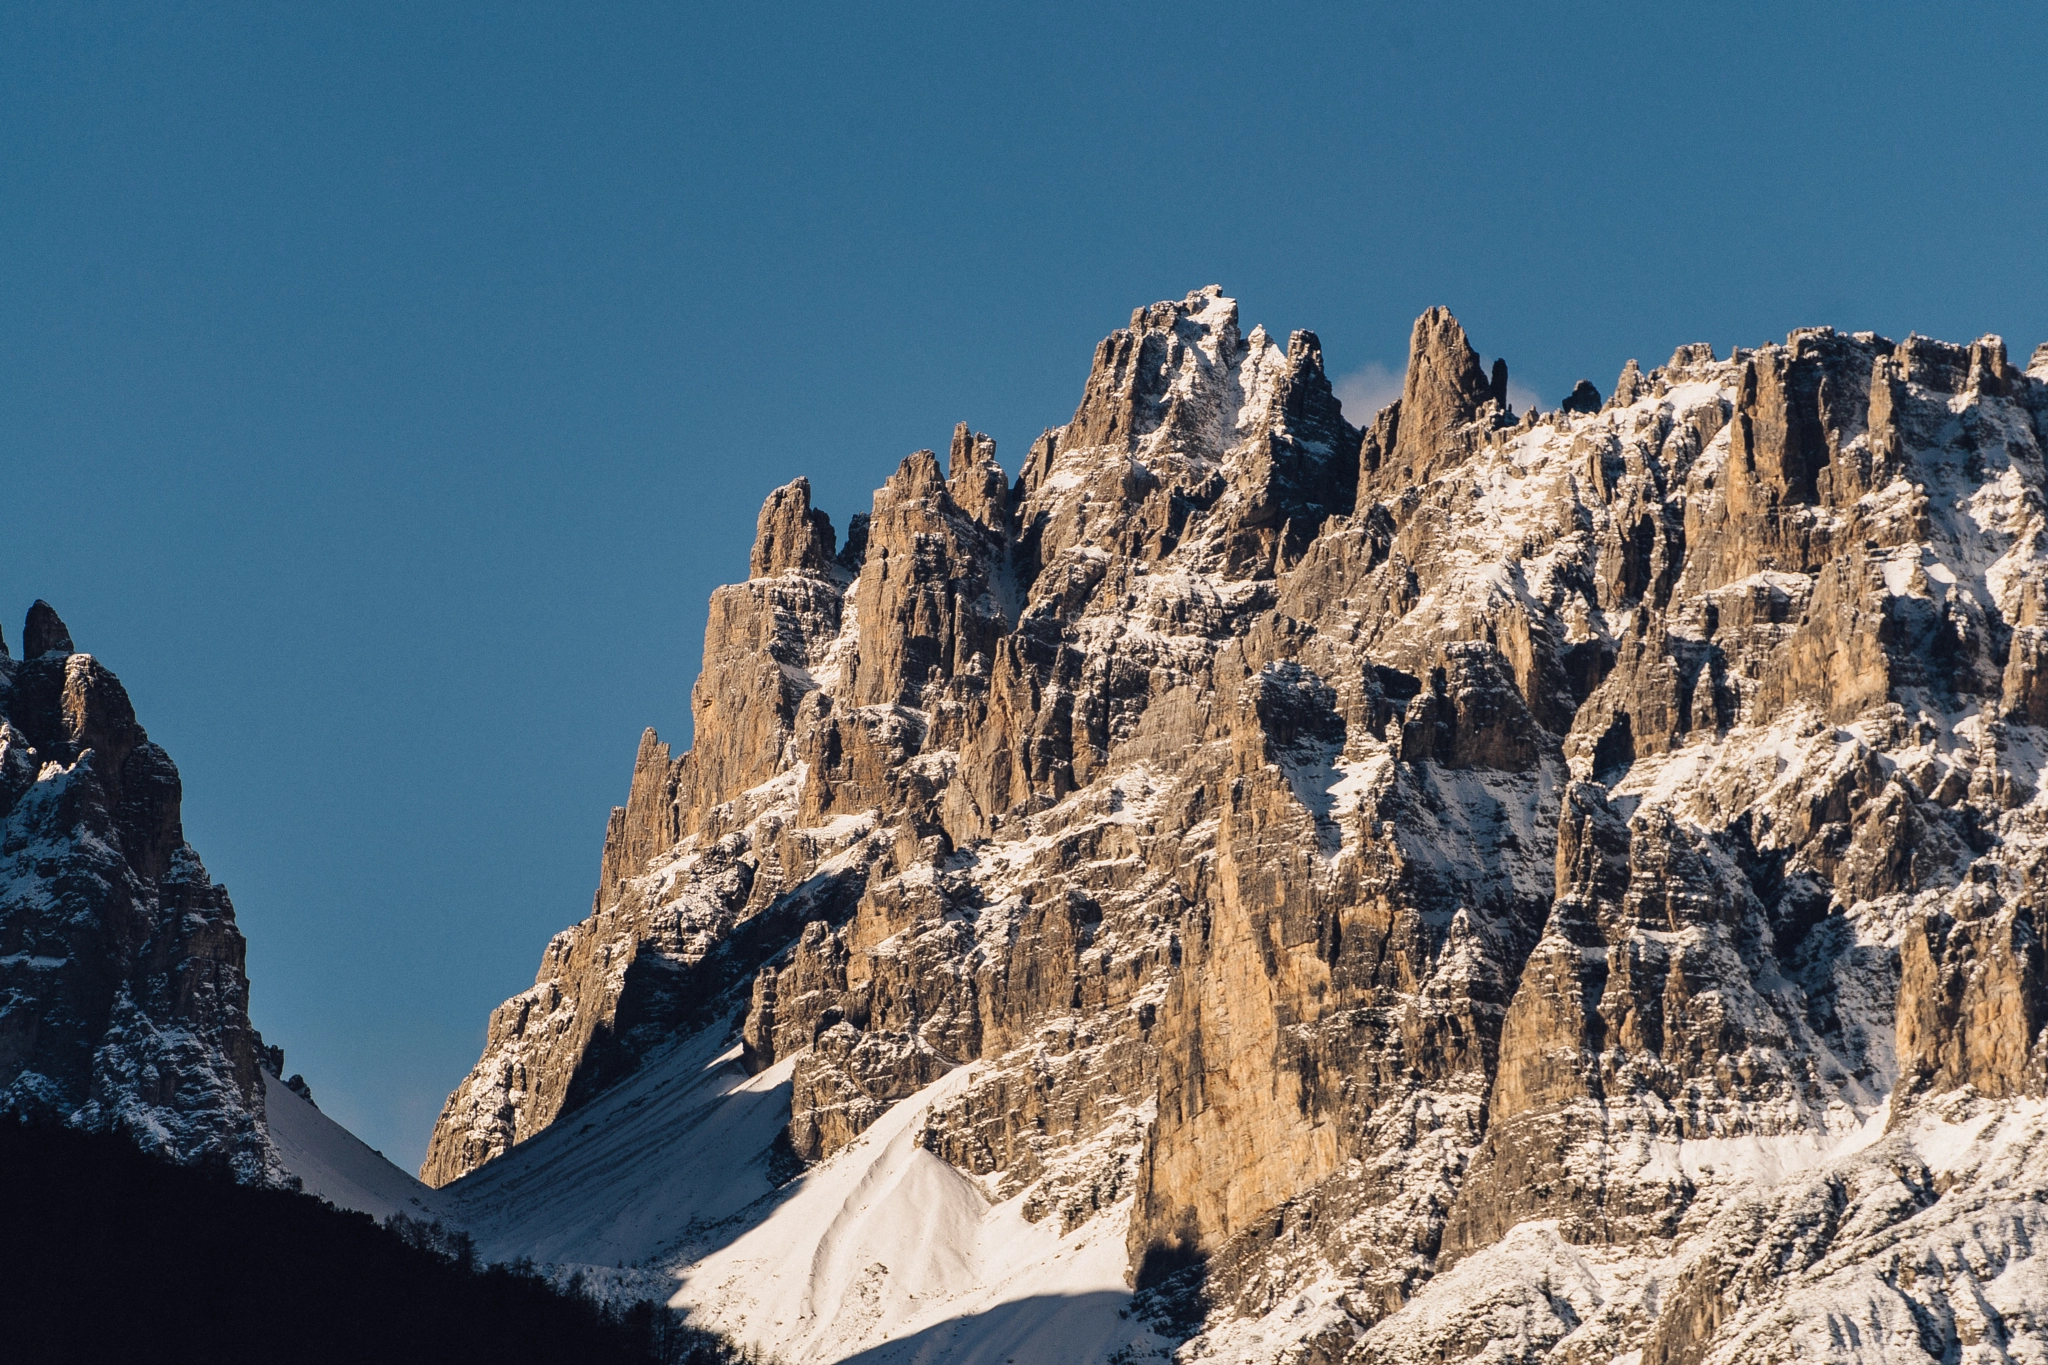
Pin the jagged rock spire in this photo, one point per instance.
(924, 585)
(1629, 386)
(1583, 398)
(1165, 377)
(44, 632)
(975, 479)
(1417, 438)
(790, 534)
(1444, 387)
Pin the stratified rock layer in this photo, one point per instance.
(1440, 882)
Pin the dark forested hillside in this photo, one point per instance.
(113, 1255)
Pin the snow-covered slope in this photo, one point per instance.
(1876, 1254)
(338, 1166)
(885, 1252)
(882, 1252)
(637, 1176)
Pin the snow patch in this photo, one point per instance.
(886, 1249)
(338, 1166)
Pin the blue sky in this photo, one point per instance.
(383, 389)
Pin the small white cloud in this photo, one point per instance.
(1522, 398)
(1364, 392)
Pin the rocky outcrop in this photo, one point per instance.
(791, 535)
(690, 862)
(1453, 882)
(1441, 395)
(930, 589)
(1583, 398)
(123, 996)
(1973, 1002)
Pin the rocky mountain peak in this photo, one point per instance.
(929, 589)
(975, 479)
(790, 536)
(1448, 401)
(1191, 441)
(1165, 381)
(123, 1002)
(44, 632)
(917, 479)
(1442, 390)
(1482, 886)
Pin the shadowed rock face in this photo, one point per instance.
(123, 1001)
(1386, 865)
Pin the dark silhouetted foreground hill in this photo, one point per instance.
(114, 1255)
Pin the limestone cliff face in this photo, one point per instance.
(123, 1000)
(1391, 861)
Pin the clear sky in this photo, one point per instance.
(383, 389)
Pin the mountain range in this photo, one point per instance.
(1551, 886)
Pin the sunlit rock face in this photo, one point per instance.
(1453, 883)
(123, 1001)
